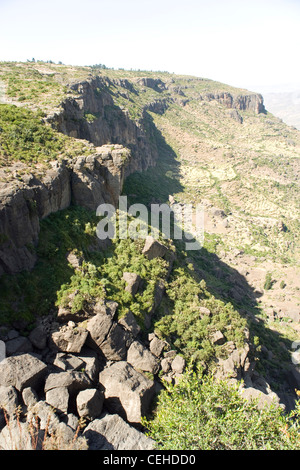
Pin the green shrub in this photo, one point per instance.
(268, 281)
(201, 413)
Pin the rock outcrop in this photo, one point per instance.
(86, 181)
(252, 101)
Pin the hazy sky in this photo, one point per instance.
(245, 43)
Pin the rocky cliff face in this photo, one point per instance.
(86, 181)
(93, 116)
(252, 102)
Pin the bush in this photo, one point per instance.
(201, 413)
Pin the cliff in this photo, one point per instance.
(85, 181)
(101, 110)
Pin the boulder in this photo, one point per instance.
(132, 282)
(218, 338)
(46, 415)
(91, 364)
(263, 399)
(16, 436)
(29, 396)
(111, 432)
(38, 337)
(18, 345)
(108, 336)
(58, 398)
(141, 358)
(68, 338)
(90, 403)
(157, 346)
(130, 324)
(74, 381)
(24, 370)
(8, 399)
(178, 364)
(66, 361)
(127, 392)
(153, 248)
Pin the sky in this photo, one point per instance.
(252, 44)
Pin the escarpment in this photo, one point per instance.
(93, 115)
(86, 181)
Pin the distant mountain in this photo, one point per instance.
(285, 105)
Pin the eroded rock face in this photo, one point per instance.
(88, 180)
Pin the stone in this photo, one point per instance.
(8, 399)
(108, 336)
(16, 436)
(74, 381)
(141, 358)
(58, 398)
(157, 346)
(204, 311)
(132, 282)
(165, 365)
(29, 396)
(69, 339)
(178, 364)
(263, 399)
(130, 324)
(127, 392)
(18, 345)
(90, 403)
(46, 416)
(68, 362)
(111, 432)
(153, 248)
(24, 370)
(74, 260)
(38, 337)
(91, 363)
(218, 338)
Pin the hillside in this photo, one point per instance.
(72, 138)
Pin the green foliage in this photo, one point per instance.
(201, 413)
(25, 137)
(29, 294)
(53, 279)
(268, 281)
(188, 329)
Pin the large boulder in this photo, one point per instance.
(127, 392)
(24, 370)
(74, 381)
(141, 358)
(129, 323)
(58, 398)
(21, 344)
(89, 403)
(69, 338)
(111, 432)
(153, 248)
(108, 336)
(132, 282)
